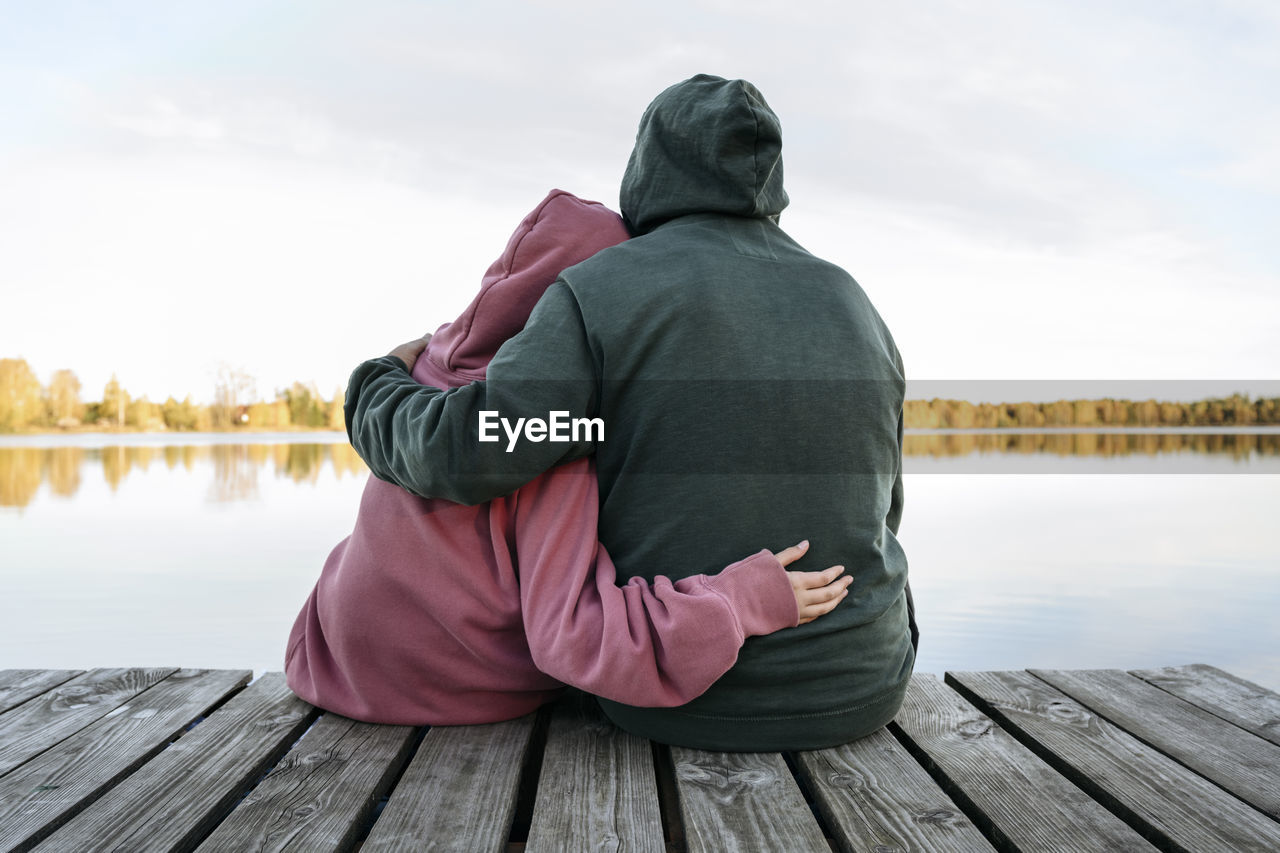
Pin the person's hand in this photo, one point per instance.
(409, 352)
(817, 593)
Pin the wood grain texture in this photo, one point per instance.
(1017, 799)
(43, 720)
(175, 799)
(1243, 763)
(321, 794)
(19, 685)
(459, 791)
(742, 802)
(875, 796)
(1250, 706)
(1162, 798)
(597, 789)
(48, 790)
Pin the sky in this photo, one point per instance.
(1074, 195)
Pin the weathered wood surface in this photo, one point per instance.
(19, 685)
(1014, 795)
(45, 719)
(1172, 804)
(596, 789)
(459, 792)
(178, 797)
(1240, 761)
(1249, 706)
(740, 802)
(41, 795)
(322, 794)
(1174, 759)
(874, 796)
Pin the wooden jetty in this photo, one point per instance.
(1183, 758)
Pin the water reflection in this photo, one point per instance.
(236, 467)
(1239, 446)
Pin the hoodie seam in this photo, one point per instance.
(755, 155)
(733, 613)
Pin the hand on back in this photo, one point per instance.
(817, 593)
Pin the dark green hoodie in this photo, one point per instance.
(751, 397)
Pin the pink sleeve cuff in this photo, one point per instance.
(758, 593)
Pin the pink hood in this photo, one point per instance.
(561, 231)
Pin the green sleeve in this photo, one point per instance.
(427, 440)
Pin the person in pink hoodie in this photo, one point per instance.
(436, 613)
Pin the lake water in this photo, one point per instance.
(1050, 549)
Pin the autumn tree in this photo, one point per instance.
(144, 414)
(64, 405)
(337, 420)
(114, 407)
(231, 389)
(306, 409)
(273, 415)
(21, 404)
(179, 416)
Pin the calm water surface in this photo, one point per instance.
(1027, 550)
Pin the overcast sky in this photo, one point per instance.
(1027, 190)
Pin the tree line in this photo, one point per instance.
(27, 405)
(1236, 410)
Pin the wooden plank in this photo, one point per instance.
(875, 796)
(42, 721)
(1160, 797)
(1014, 797)
(742, 801)
(459, 791)
(1250, 706)
(174, 800)
(597, 788)
(1243, 763)
(19, 685)
(322, 794)
(44, 793)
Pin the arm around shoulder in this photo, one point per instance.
(428, 440)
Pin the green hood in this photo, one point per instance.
(706, 145)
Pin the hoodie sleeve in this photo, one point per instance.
(427, 440)
(656, 644)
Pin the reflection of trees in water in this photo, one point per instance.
(20, 475)
(235, 466)
(346, 461)
(1236, 445)
(184, 455)
(64, 470)
(115, 465)
(299, 462)
(235, 474)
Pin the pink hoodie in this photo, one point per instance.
(436, 613)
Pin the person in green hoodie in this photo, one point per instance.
(734, 389)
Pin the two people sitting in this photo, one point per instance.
(750, 396)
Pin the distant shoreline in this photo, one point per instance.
(1246, 429)
(248, 435)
